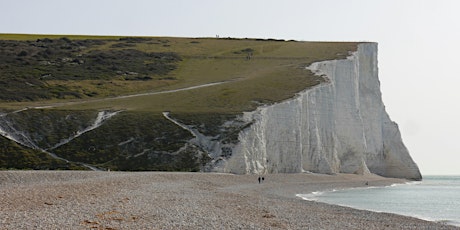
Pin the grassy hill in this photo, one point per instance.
(49, 69)
(201, 81)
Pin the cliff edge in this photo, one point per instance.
(340, 126)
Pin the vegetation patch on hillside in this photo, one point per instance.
(14, 156)
(28, 67)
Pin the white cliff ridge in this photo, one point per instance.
(340, 126)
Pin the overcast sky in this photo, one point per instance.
(419, 46)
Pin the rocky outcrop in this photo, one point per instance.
(340, 126)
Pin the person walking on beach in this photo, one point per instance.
(259, 179)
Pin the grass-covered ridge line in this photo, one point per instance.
(48, 69)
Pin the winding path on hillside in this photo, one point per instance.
(126, 96)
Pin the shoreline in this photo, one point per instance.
(360, 205)
(176, 200)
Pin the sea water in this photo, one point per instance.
(435, 198)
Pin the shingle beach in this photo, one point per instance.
(165, 200)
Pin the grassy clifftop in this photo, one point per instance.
(42, 69)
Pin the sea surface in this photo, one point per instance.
(435, 198)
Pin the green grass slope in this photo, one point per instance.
(42, 69)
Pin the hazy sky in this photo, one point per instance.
(419, 46)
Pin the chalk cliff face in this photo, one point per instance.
(340, 126)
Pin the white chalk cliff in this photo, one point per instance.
(340, 126)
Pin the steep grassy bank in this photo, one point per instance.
(130, 140)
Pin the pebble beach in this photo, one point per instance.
(173, 200)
